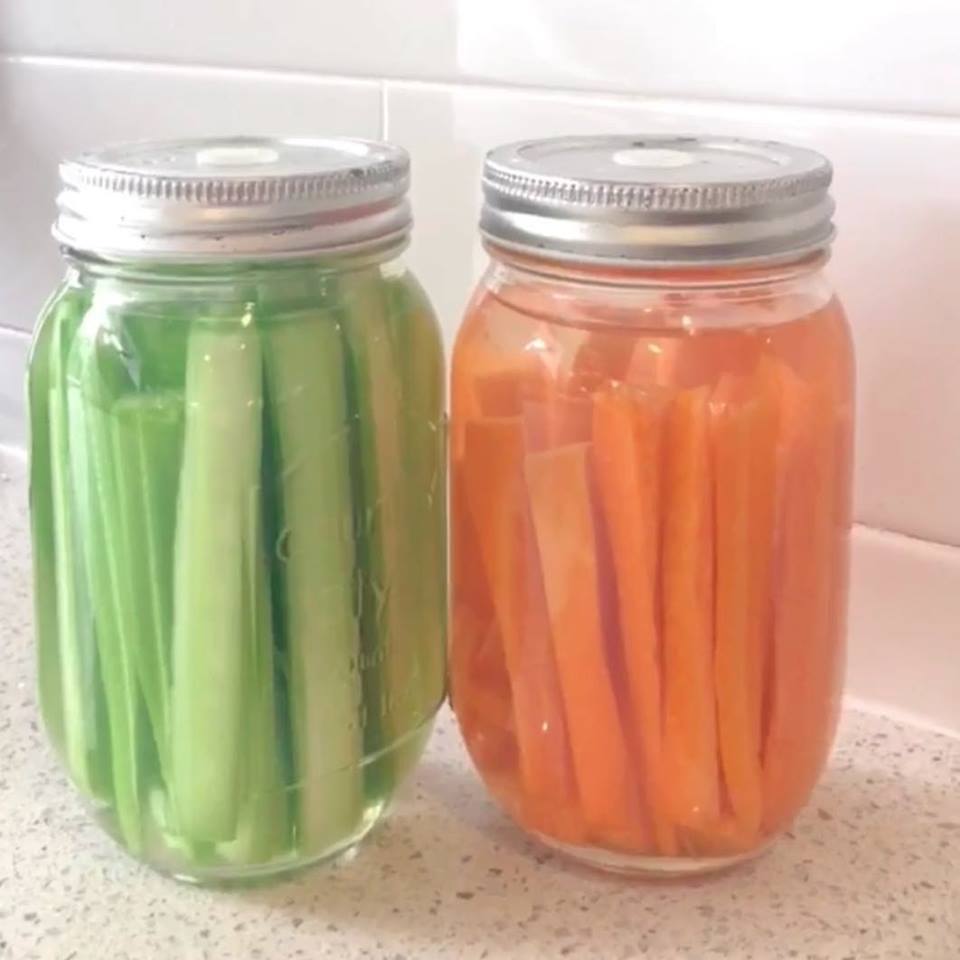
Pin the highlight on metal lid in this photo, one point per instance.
(658, 199)
(238, 198)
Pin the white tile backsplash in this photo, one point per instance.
(50, 109)
(885, 54)
(14, 346)
(905, 625)
(875, 86)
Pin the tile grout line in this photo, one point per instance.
(468, 83)
(903, 535)
(384, 110)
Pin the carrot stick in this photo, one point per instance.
(807, 658)
(627, 437)
(690, 731)
(488, 383)
(481, 696)
(563, 518)
(686, 360)
(493, 471)
(504, 392)
(744, 439)
(603, 356)
(479, 681)
(557, 421)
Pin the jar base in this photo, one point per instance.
(650, 868)
(168, 855)
(232, 876)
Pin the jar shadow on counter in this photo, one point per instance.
(870, 862)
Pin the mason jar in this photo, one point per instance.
(237, 495)
(651, 442)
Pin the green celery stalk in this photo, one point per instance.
(219, 472)
(76, 653)
(105, 564)
(418, 348)
(61, 309)
(305, 373)
(147, 434)
(394, 671)
(262, 828)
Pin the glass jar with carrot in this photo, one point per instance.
(651, 448)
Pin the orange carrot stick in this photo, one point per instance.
(690, 764)
(686, 360)
(497, 497)
(484, 708)
(627, 434)
(743, 427)
(603, 356)
(557, 421)
(478, 671)
(807, 657)
(563, 518)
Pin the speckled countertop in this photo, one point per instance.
(871, 871)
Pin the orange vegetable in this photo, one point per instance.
(478, 675)
(479, 683)
(603, 356)
(557, 421)
(627, 437)
(690, 765)
(564, 520)
(744, 435)
(675, 555)
(497, 498)
(686, 360)
(806, 656)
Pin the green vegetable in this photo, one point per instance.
(309, 407)
(147, 433)
(237, 497)
(390, 679)
(262, 827)
(74, 659)
(94, 467)
(220, 470)
(418, 349)
(61, 309)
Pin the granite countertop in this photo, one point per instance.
(870, 872)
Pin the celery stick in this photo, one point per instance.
(76, 648)
(419, 350)
(309, 413)
(262, 828)
(220, 470)
(59, 310)
(147, 435)
(92, 472)
(394, 675)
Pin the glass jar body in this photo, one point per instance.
(231, 468)
(650, 515)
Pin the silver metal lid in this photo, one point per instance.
(657, 199)
(237, 198)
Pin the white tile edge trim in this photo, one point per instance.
(649, 100)
(115, 65)
(904, 628)
(906, 717)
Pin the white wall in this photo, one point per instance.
(875, 85)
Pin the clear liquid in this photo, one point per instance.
(238, 532)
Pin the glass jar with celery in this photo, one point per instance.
(237, 498)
